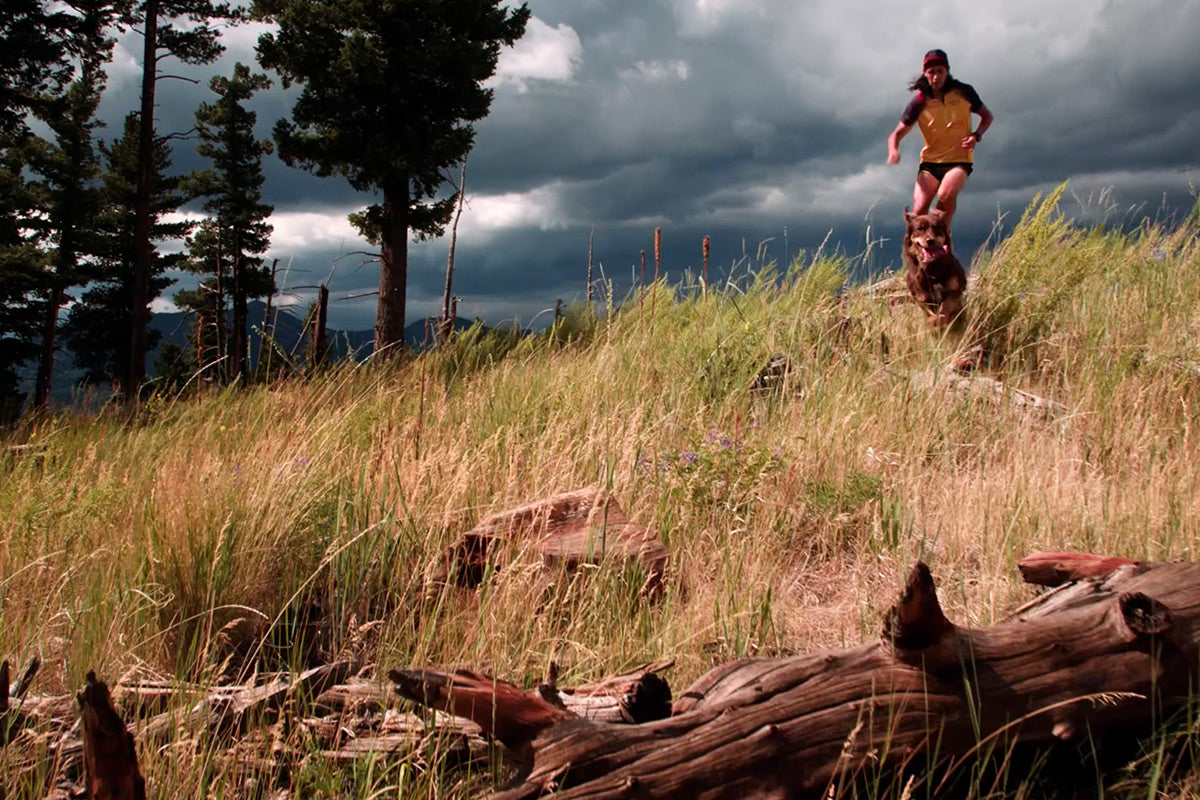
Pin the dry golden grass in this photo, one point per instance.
(317, 506)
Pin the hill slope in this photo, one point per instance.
(280, 526)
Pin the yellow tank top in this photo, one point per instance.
(944, 123)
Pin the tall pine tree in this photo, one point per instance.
(229, 244)
(102, 349)
(186, 30)
(44, 45)
(66, 169)
(390, 90)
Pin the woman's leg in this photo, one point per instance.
(924, 191)
(947, 193)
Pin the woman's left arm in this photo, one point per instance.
(985, 122)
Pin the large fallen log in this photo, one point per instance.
(1106, 656)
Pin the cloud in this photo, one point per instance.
(301, 230)
(544, 53)
(745, 121)
(656, 71)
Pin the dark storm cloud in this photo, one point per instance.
(761, 124)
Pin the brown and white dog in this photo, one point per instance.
(935, 279)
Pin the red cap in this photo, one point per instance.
(934, 58)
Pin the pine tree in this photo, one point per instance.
(20, 272)
(43, 46)
(102, 349)
(230, 243)
(389, 92)
(185, 30)
(66, 171)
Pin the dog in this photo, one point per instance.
(935, 278)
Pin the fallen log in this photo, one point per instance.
(1057, 568)
(1108, 656)
(515, 717)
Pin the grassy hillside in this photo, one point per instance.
(315, 509)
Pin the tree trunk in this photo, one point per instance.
(45, 374)
(142, 250)
(221, 318)
(393, 270)
(319, 341)
(241, 312)
(448, 312)
(1083, 666)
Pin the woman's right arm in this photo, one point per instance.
(894, 142)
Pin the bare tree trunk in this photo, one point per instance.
(591, 240)
(142, 250)
(238, 338)
(201, 348)
(393, 270)
(320, 345)
(449, 313)
(220, 317)
(267, 345)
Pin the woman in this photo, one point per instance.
(943, 107)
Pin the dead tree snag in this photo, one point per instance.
(109, 755)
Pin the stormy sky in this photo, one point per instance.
(761, 123)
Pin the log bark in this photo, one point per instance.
(1106, 656)
(515, 717)
(1057, 568)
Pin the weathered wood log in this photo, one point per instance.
(229, 711)
(566, 530)
(1055, 569)
(109, 755)
(1094, 659)
(514, 717)
(500, 708)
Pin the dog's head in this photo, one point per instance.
(927, 235)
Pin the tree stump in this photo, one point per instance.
(109, 755)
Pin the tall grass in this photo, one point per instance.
(277, 527)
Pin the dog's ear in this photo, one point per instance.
(937, 214)
(908, 215)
